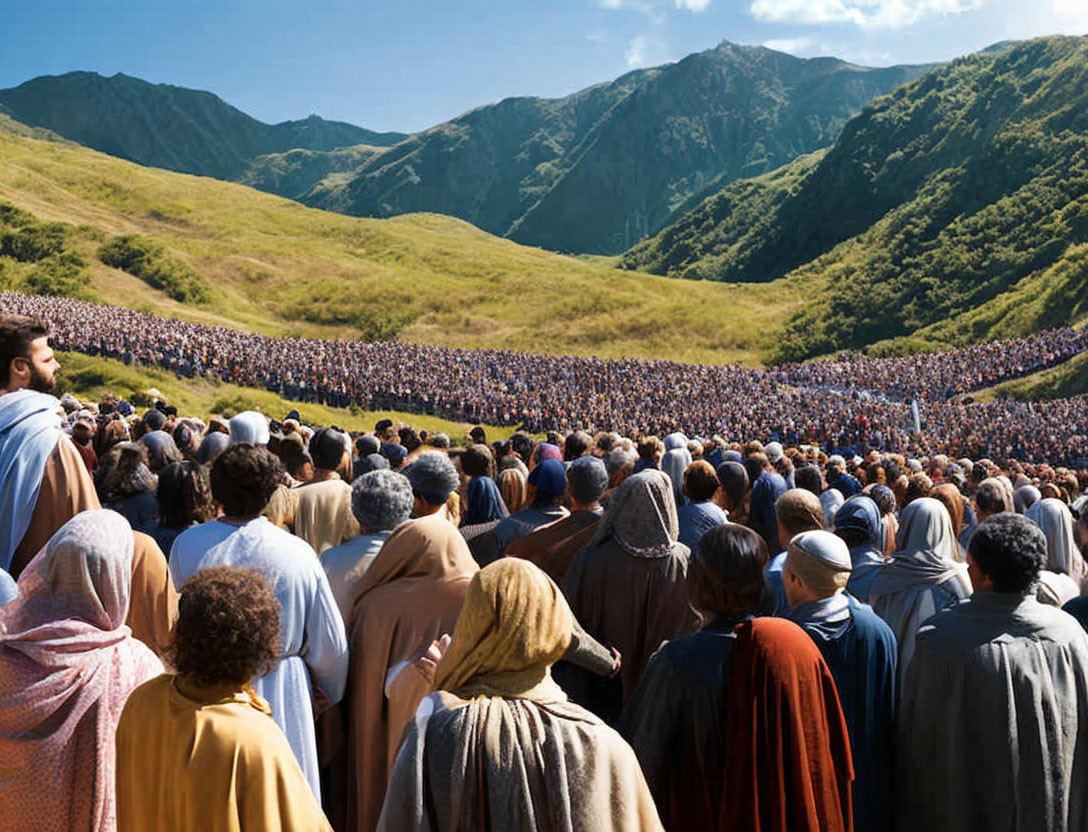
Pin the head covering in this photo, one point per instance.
(67, 666)
(925, 533)
(676, 440)
(394, 453)
(161, 450)
(327, 448)
(549, 477)
(641, 516)
(820, 559)
(949, 496)
(1025, 497)
(732, 456)
(1062, 553)
(790, 766)
(588, 479)
(773, 450)
(884, 498)
(514, 625)
(546, 450)
(433, 477)
(674, 463)
(213, 445)
(861, 514)
(249, 426)
(30, 427)
(371, 462)
(484, 502)
(830, 501)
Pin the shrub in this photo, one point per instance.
(148, 261)
(59, 274)
(33, 242)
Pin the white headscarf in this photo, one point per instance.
(249, 426)
(1056, 521)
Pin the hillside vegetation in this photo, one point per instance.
(593, 172)
(953, 210)
(273, 266)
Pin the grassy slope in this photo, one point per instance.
(277, 267)
(1069, 379)
(87, 377)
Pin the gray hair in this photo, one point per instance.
(381, 500)
(618, 459)
(433, 476)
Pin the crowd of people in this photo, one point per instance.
(850, 405)
(255, 623)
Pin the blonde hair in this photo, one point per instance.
(514, 488)
(799, 510)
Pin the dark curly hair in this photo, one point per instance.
(244, 478)
(185, 495)
(228, 627)
(725, 574)
(1011, 550)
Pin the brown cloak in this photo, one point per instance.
(553, 547)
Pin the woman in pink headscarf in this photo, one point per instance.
(67, 664)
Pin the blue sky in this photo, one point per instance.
(408, 64)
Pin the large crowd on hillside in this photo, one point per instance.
(255, 623)
(851, 404)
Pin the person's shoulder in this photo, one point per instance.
(146, 697)
(866, 619)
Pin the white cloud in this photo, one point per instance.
(693, 5)
(635, 56)
(868, 14)
(791, 45)
(611, 4)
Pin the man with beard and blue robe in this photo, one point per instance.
(857, 522)
(861, 652)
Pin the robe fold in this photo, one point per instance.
(860, 650)
(223, 767)
(554, 546)
(411, 594)
(992, 730)
(154, 603)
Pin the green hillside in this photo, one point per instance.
(952, 210)
(243, 258)
(166, 126)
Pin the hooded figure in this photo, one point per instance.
(858, 523)
(410, 596)
(67, 665)
(922, 577)
(629, 586)
(1064, 575)
(249, 426)
(499, 745)
(675, 462)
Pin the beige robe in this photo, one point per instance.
(323, 515)
(411, 595)
(67, 489)
(153, 603)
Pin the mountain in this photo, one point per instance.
(593, 172)
(78, 222)
(596, 171)
(953, 210)
(166, 126)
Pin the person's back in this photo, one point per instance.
(675, 720)
(991, 733)
(323, 516)
(499, 746)
(314, 643)
(199, 750)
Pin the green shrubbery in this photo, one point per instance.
(149, 261)
(24, 239)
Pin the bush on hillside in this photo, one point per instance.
(14, 217)
(149, 261)
(62, 274)
(32, 242)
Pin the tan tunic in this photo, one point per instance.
(153, 603)
(323, 515)
(411, 595)
(67, 489)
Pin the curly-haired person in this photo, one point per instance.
(313, 655)
(199, 749)
(992, 730)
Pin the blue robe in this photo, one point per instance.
(860, 649)
(696, 519)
